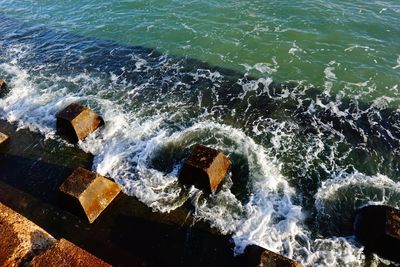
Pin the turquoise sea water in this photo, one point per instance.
(303, 96)
(285, 40)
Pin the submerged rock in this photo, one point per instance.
(205, 168)
(261, 257)
(76, 122)
(378, 228)
(64, 253)
(88, 192)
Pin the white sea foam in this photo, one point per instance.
(398, 63)
(337, 251)
(125, 147)
(28, 106)
(263, 67)
(188, 28)
(330, 77)
(378, 189)
(366, 48)
(382, 10)
(295, 48)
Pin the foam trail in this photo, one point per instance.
(378, 189)
(337, 251)
(398, 63)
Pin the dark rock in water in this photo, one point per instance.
(3, 84)
(3, 138)
(378, 228)
(3, 88)
(64, 253)
(88, 192)
(261, 257)
(76, 122)
(205, 168)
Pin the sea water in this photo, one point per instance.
(302, 96)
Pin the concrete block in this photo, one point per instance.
(204, 168)
(261, 257)
(20, 239)
(76, 122)
(3, 138)
(3, 85)
(88, 192)
(64, 253)
(378, 228)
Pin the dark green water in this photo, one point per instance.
(351, 45)
(302, 96)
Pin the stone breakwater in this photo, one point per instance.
(91, 193)
(108, 238)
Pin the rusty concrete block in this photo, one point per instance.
(3, 138)
(64, 253)
(261, 257)
(204, 168)
(3, 84)
(88, 192)
(76, 122)
(20, 239)
(378, 228)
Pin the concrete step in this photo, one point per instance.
(23, 243)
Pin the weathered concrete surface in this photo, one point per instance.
(260, 257)
(378, 228)
(76, 122)
(3, 85)
(205, 168)
(92, 191)
(20, 239)
(3, 138)
(64, 253)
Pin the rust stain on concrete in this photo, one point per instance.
(92, 191)
(205, 168)
(65, 253)
(20, 239)
(76, 122)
